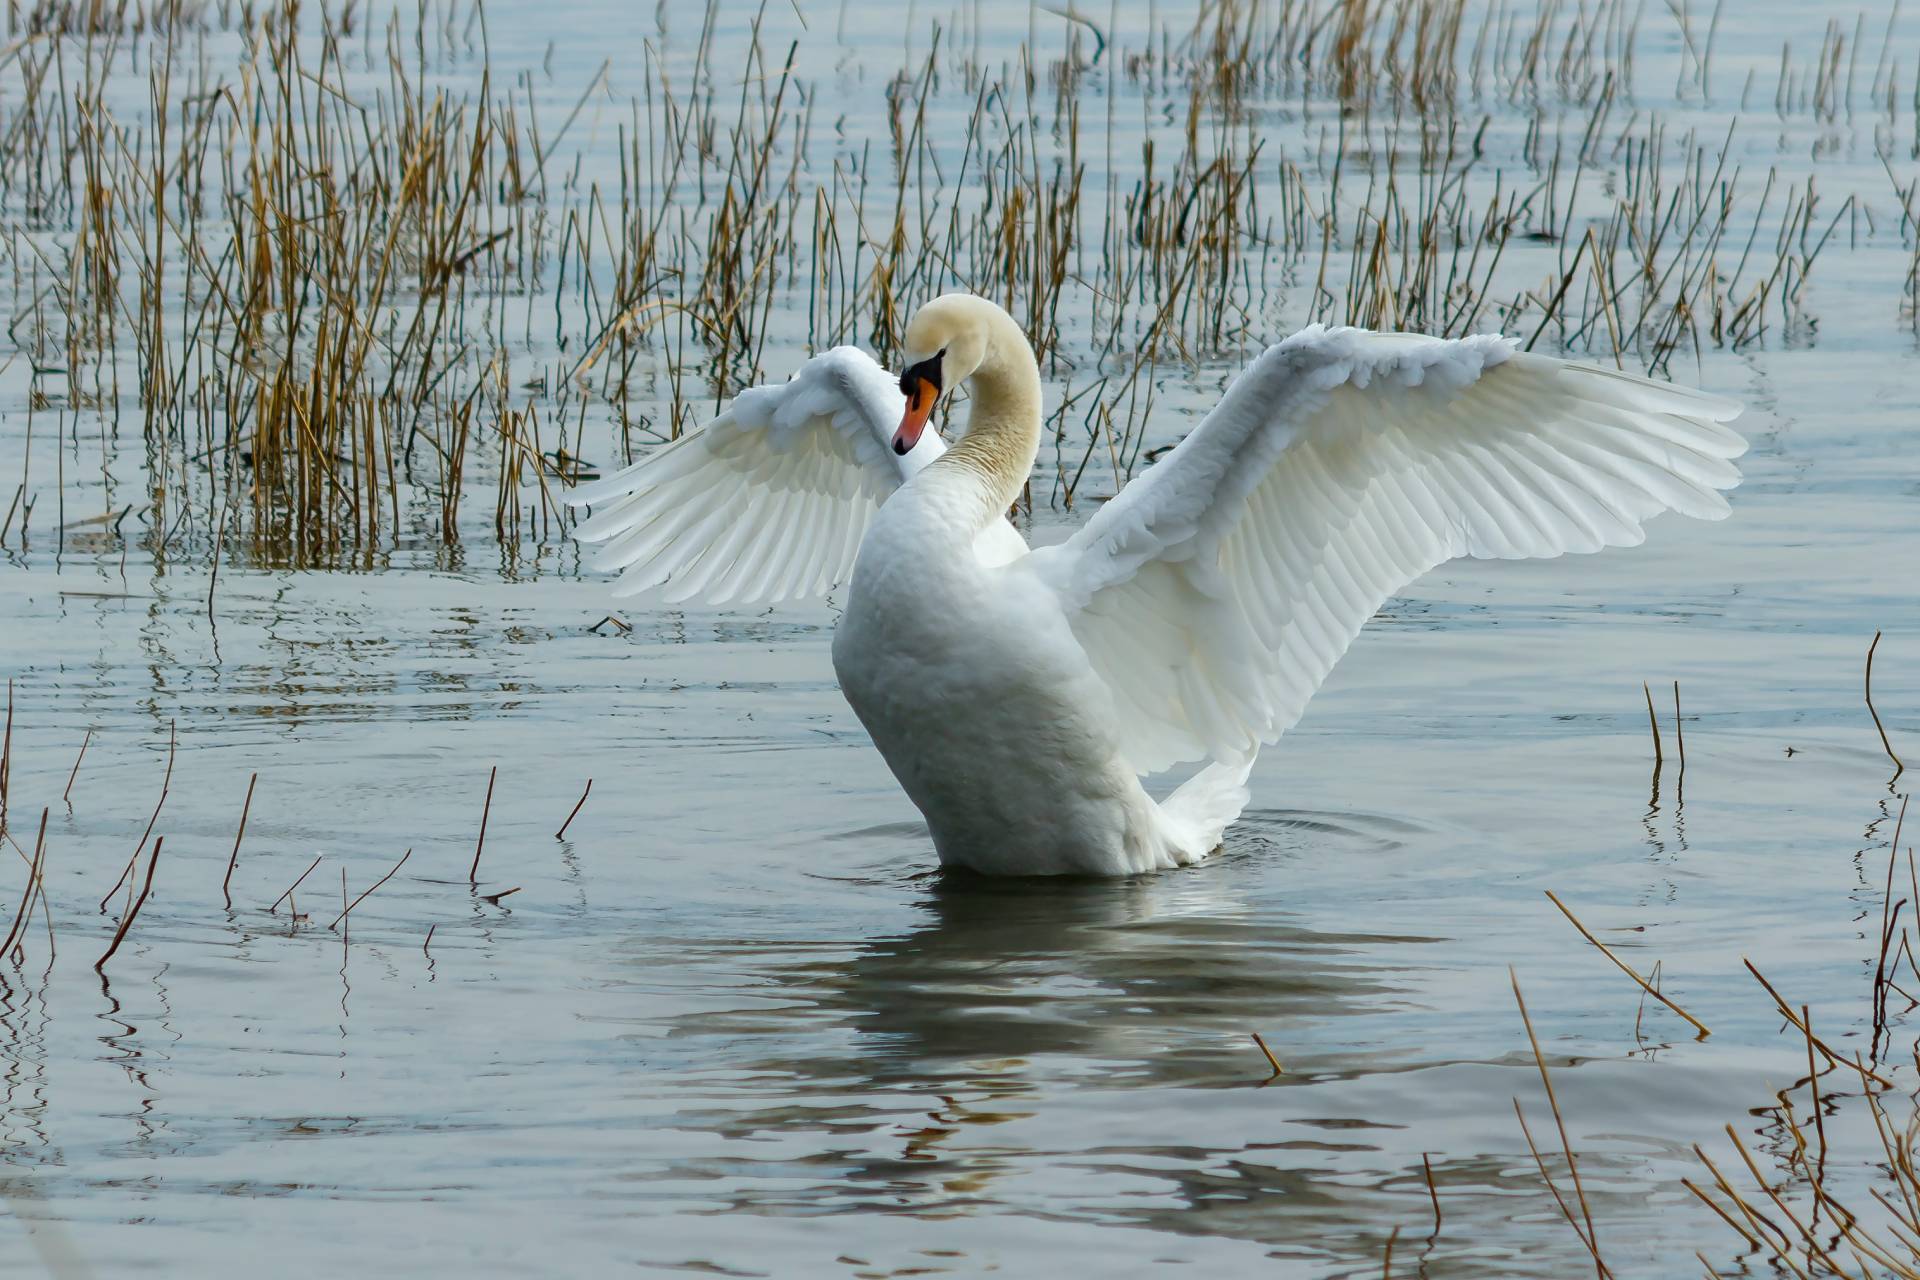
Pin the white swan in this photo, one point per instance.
(1018, 695)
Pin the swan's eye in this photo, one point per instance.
(927, 371)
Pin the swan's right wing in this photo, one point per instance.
(1215, 593)
(768, 501)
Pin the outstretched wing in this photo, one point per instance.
(769, 501)
(1215, 593)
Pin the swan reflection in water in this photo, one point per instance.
(1144, 979)
(932, 1064)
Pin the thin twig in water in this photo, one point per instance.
(126, 922)
(1272, 1061)
(1659, 756)
(225, 885)
(67, 795)
(1898, 767)
(1587, 1237)
(494, 898)
(33, 882)
(166, 782)
(1786, 1010)
(1813, 1083)
(1623, 966)
(295, 885)
(473, 876)
(6, 756)
(561, 834)
(376, 884)
(429, 941)
(1679, 734)
(1433, 1194)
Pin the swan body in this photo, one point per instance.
(1020, 696)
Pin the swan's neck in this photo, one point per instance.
(1003, 425)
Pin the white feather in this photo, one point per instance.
(1217, 591)
(769, 500)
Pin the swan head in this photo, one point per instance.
(946, 342)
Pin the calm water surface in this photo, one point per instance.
(738, 1023)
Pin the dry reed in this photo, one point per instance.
(345, 300)
(246, 806)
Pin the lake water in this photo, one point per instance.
(736, 1022)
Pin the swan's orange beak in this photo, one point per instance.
(921, 395)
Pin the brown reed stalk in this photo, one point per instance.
(1885, 745)
(166, 782)
(486, 807)
(1826, 1050)
(1813, 1083)
(1623, 966)
(226, 883)
(1679, 733)
(561, 834)
(295, 885)
(126, 921)
(375, 885)
(1653, 724)
(1587, 1236)
(33, 886)
(67, 794)
(6, 756)
(1272, 1061)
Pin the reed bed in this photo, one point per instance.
(342, 281)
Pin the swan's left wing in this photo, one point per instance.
(1216, 592)
(769, 500)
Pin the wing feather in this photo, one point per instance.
(1217, 591)
(768, 501)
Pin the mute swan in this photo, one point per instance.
(1019, 696)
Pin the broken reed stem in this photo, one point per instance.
(1587, 1237)
(1786, 1010)
(226, 884)
(126, 921)
(67, 795)
(1433, 1194)
(1393, 1238)
(429, 941)
(376, 884)
(33, 886)
(473, 874)
(1653, 722)
(1813, 1083)
(1272, 1061)
(166, 782)
(561, 834)
(1623, 966)
(295, 885)
(1885, 745)
(1691, 1185)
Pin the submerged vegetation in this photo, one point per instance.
(352, 286)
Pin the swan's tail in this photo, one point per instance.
(1200, 809)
